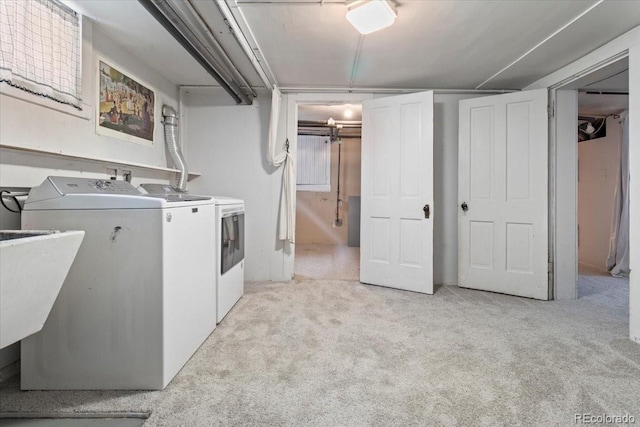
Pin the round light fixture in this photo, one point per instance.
(348, 112)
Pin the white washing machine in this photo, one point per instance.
(229, 253)
(140, 297)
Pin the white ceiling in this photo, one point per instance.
(334, 111)
(613, 81)
(317, 112)
(135, 29)
(601, 105)
(452, 44)
(618, 81)
(433, 44)
(608, 102)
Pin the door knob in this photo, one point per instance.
(427, 211)
(464, 206)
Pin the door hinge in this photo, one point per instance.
(551, 111)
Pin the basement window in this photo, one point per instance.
(314, 163)
(40, 50)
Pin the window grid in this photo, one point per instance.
(40, 49)
(314, 163)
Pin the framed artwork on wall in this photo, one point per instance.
(125, 106)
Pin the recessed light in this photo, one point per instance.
(348, 112)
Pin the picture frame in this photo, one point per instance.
(125, 106)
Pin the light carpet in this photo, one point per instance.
(331, 353)
(328, 262)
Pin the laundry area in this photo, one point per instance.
(319, 212)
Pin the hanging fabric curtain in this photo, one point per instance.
(40, 49)
(618, 259)
(278, 155)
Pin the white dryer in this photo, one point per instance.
(140, 297)
(229, 253)
(229, 240)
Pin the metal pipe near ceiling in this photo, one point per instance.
(325, 129)
(342, 136)
(165, 14)
(336, 122)
(324, 124)
(244, 44)
(603, 92)
(302, 89)
(219, 50)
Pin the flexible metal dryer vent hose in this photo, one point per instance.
(171, 140)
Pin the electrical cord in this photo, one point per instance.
(604, 120)
(10, 196)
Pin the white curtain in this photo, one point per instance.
(618, 259)
(40, 49)
(278, 155)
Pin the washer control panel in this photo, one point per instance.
(69, 185)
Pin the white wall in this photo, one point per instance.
(599, 165)
(33, 126)
(445, 182)
(565, 195)
(227, 143)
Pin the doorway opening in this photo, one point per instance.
(603, 167)
(592, 199)
(328, 191)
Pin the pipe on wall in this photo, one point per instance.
(171, 140)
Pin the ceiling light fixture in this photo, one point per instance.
(348, 112)
(368, 16)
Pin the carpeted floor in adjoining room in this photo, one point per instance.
(335, 353)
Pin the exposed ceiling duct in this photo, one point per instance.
(185, 24)
(341, 128)
(591, 128)
(324, 124)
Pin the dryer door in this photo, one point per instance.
(232, 240)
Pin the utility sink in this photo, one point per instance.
(33, 266)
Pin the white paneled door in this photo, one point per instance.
(396, 248)
(503, 193)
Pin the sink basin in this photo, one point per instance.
(33, 266)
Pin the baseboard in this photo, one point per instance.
(9, 371)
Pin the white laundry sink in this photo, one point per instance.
(33, 266)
